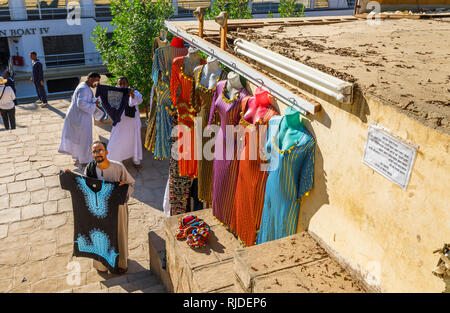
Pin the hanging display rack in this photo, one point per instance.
(279, 92)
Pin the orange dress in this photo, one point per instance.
(183, 103)
(251, 182)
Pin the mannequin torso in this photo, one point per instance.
(210, 73)
(257, 106)
(233, 86)
(191, 61)
(290, 129)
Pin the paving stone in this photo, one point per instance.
(3, 189)
(16, 256)
(42, 251)
(28, 175)
(6, 272)
(3, 231)
(65, 205)
(70, 281)
(21, 289)
(52, 181)
(35, 184)
(7, 179)
(56, 266)
(9, 215)
(92, 287)
(56, 194)
(16, 187)
(42, 236)
(54, 221)
(39, 196)
(64, 234)
(32, 211)
(50, 207)
(6, 169)
(49, 171)
(27, 273)
(19, 199)
(19, 169)
(6, 285)
(24, 227)
(48, 285)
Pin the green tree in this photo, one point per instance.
(128, 52)
(236, 9)
(288, 8)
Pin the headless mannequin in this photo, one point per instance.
(211, 71)
(257, 106)
(290, 128)
(233, 85)
(191, 61)
(163, 35)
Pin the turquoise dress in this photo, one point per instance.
(161, 72)
(291, 175)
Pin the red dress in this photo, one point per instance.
(186, 114)
(251, 182)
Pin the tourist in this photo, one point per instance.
(125, 141)
(112, 171)
(10, 82)
(38, 79)
(7, 106)
(76, 138)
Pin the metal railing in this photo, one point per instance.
(185, 9)
(73, 59)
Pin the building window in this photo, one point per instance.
(46, 9)
(103, 10)
(4, 11)
(63, 50)
(63, 84)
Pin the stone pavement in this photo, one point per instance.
(36, 220)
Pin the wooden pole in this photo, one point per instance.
(223, 33)
(200, 22)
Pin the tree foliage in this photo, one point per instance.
(128, 52)
(288, 8)
(236, 9)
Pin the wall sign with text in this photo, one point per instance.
(389, 156)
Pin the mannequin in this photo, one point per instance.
(249, 195)
(234, 85)
(206, 78)
(257, 106)
(191, 61)
(290, 128)
(210, 73)
(180, 88)
(291, 177)
(225, 165)
(162, 35)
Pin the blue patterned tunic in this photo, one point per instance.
(291, 176)
(161, 72)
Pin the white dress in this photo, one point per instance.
(76, 138)
(125, 141)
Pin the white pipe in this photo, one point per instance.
(328, 84)
(337, 96)
(299, 68)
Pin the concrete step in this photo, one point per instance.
(154, 289)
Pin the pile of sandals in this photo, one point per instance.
(194, 230)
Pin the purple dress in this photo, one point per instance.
(225, 168)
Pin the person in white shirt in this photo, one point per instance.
(125, 141)
(7, 106)
(76, 138)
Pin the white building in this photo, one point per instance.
(60, 32)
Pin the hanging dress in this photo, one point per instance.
(201, 101)
(161, 71)
(225, 169)
(251, 182)
(291, 176)
(183, 103)
(150, 134)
